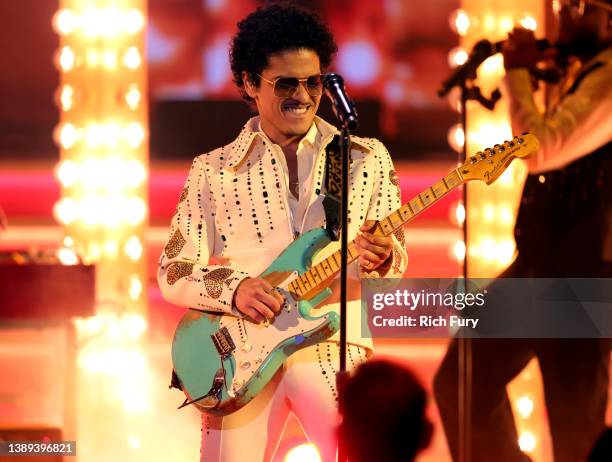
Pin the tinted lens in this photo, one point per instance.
(286, 86)
(314, 85)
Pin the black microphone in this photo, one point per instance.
(481, 51)
(344, 108)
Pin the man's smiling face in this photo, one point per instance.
(281, 118)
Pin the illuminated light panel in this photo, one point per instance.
(134, 211)
(488, 212)
(109, 60)
(303, 453)
(504, 251)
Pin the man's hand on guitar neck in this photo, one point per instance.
(257, 299)
(374, 250)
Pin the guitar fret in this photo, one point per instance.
(439, 189)
(310, 280)
(415, 206)
(317, 272)
(325, 267)
(332, 262)
(301, 285)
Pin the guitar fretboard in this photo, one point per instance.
(318, 275)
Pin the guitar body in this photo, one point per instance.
(222, 362)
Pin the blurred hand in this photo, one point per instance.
(257, 299)
(520, 49)
(373, 250)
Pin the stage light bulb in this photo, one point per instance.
(134, 211)
(527, 442)
(460, 214)
(529, 22)
(487, 249)
(90, 22)
(67, 173)
(459, 250)
(132, 59)
(65, 21)
(506, 24)
(66, 59)
(133, 21)
(488, 212)
(65, 211)
(134, 442)
(67, 256)
(66, 97)
(134, 173)
(504, 251)
(132, 97)
(111, 134)
(303, 453)
(68, 241)
(67, 135)
(134, 325)
(525, 406)
(94, 135)
(135, 288)
(456, 137)
(505, 215)
(109, 22)
(109, 60)
(133, 248)
(492, 65)
(459, 21)
(134, 134)
(457, 56)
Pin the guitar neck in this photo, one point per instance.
(318, 276)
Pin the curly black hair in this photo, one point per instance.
(273, 29)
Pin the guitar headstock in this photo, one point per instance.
(488, 165)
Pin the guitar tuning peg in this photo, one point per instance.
(473, 160)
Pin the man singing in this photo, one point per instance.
(244, 203)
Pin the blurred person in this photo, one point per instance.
(383, 414)
(563, 229)
(244, 203)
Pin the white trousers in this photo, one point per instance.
(306, 386)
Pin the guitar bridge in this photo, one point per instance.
(223, 341)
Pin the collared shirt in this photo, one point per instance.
(234, 217)
(577, 126)
(305, 154)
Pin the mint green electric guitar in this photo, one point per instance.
(222, 362)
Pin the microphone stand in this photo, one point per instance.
(344, 109)
(463, 77)
(343, 375)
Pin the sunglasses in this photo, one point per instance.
(286, 87)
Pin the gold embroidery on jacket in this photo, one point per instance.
(177, 270)
(213, 281)
(175, 244)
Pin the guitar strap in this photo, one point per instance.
(333, 188)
